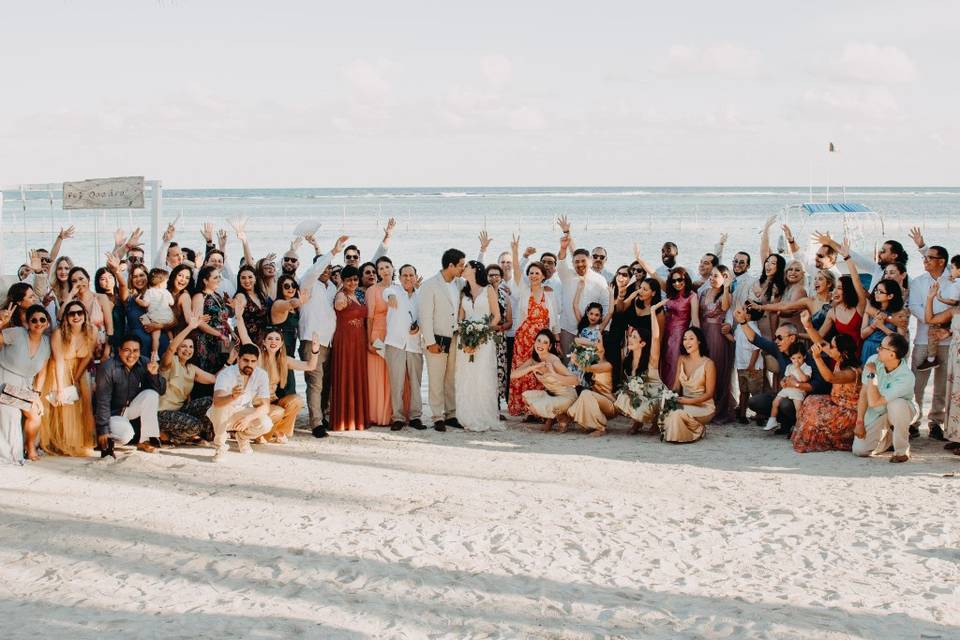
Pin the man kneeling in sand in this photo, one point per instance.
(886, 401)
(241, 403)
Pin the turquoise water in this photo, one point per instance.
(433, 219)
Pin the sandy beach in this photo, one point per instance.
(459, 535)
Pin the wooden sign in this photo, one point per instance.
(104, 193)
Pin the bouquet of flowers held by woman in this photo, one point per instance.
(584, 356)
(669, 401)
(636, 390)
(473, 333)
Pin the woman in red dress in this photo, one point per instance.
(849, 301)
(348, 388)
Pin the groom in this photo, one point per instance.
(437, 307)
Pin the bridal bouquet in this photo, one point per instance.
(668, 403)
(473, 333)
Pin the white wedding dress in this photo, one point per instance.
(476, 382)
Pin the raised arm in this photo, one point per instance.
(385, 243)
(931, 317)
(63, 235)
(855, 276)
(311, 364)
(515, 250)
(654, 361)
(815, 336)
(765, 239)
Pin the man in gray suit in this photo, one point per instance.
(438, 305)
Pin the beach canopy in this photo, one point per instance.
(835, 207)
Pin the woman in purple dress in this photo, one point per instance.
(714, 302)
(683, 311)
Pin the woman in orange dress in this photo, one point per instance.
(380, 406)
(535, 311)
(348, 386)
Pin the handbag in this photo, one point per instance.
(21, 398)
(69, 395)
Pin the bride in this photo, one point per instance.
(476, 382)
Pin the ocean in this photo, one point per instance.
(433, 219)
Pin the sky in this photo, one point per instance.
(352, 94)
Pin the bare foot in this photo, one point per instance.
(32, 454)
(547, 426)
(636, 428)
(562, 426)
(596, 433)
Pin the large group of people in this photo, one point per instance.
(189, 351)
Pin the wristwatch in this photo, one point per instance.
(871, 376)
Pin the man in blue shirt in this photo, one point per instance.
(886, 401)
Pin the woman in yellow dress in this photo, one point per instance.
(559, 384)
(594, 406)
(67, 427)
(696, 382)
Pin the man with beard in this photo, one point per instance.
(599, 255)
(594, 287)
(241, 403)
(668, 255)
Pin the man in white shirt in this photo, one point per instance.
(931, 343)
(595, 288)
(317, 317)
(241, 403)
(402, 349)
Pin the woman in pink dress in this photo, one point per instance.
(683, 312)
(380, 407)
(714, 302)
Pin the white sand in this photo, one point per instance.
(520, 534)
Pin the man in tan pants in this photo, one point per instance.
(241, 403)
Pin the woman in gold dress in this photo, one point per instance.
(559, 384)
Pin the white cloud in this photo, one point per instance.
(863, 106)
(873, 63)
(723, 59)
(497, 69)
(369, 79)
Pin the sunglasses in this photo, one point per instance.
(352, 257)
(884, 348)
(289, 285)
(76, 313)
(676, 280)
(598, 256)
(625, 274)
(291, 260)
(779, 338)
(551, 262)
(38, 320)
(46, 260)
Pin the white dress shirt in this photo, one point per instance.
(917, 302)
(318, 315)
(594, 290)
(400, 319)
(257, 387)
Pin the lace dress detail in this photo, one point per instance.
(476, 382)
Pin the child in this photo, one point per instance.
(799, 372)
(746, 359)
(590, 325)
(158, 302)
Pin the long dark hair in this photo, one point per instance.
(281, 280)
(701, 339)
(377, 267)
(687, 283)
(848, 292)
(553, 344)
(171, 281)
(775, 285)
(896, 295)
(584, 322)
(849, 354)
(480, 273)
(655, 288)
(257, 285)
(613, 281)
(202, 277)
(15, 295)
(96, 282)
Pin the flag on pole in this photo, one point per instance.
(832, 148)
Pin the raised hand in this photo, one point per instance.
(723, 238)
(222, 239)
(739, 314)
(388, 230)
(33, 259)
(636, 251)
(340, 244)
(934, 289)
(917, 236)
(515, 242)
(485, 241)
(153, 367)
(845, 247)
(194, 320)
(787, 232)
(67, 233)
(134, 239)
(816, 349)
(805, 317)
(770, 221)
(529, 251)
(113, 263)
(311, 240)
(119, 236)
(304, 295)
(238, 305)
(6, 314)
(206, 230)
(271, 257)
(821, 238)
(564, 224)
(296, 243)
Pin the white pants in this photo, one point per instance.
(920, 352)
(900, 414)
(442, 389)
(144, 406)
(225, 419)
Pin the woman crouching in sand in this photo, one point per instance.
(559, 392)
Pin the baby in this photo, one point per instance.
(159, 305)
(799, 372)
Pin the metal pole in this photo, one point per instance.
(156, 203)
